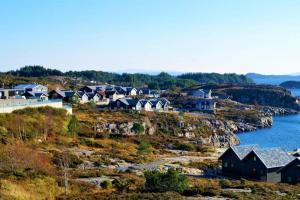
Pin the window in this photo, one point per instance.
(225, 164)
(254, 158)
(232, 165)
(289, 179)
(253, 171)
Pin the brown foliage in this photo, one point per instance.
(21, 158)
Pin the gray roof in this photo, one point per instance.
(65, 93)
(129, 102)
(273, 157)
(242, 151)
(25, 86)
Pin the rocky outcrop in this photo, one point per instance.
(275, 111)
(210, 130)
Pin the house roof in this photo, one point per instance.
(240, 151)
(144, 90)
(110, 92)
(65, 93)
(129, 102)
(155, 102)
(273, 157)
(81, 93)
(37, 94)
(289, 164)
(120, 90)
(25, 86)
(164, 101)
(144, 102)
(91, 94)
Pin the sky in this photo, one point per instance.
(223, 36)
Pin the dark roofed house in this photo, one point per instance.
(126, 103)
(232, 165)
(146, 105)
(156, 104)
(65, 95)
(144, 91)
(290, 173)
(31, 88)
(263, 164)
(165, 103)
(36, 95)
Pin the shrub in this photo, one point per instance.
(138, 128)
(185, 147)
(106, 184)
(161, 182)
(73, 160)
(224, 183)
(144, 147)
(16, 159)
(229, 194)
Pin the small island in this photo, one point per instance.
(291, 84)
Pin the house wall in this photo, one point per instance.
(148, 107)
(273, 176)
(84, 99)
(291, 174)
(8, 106)
(254, 168)
(133, 93)
(231, 165)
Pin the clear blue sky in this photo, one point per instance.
(152, 35)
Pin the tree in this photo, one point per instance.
(73, 125)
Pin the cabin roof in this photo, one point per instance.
(273, 157)
(242, 151)
(289, 164)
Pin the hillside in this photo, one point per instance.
(264, 95)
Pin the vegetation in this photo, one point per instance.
(162, 182)
(214, 78)
(160, 81)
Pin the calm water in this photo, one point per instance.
(296, 92)
(284, 133)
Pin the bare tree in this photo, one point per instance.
(65, 166)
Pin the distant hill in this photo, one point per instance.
(272, 79)
(215, 78)
(291, 84)
(161, 81)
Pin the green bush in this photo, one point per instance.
(229, 194)
(138, 128)
(224, 183)
(145, 147)
(106, 184)
(162, 182)
(185, 147)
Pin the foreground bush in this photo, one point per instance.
(161, 182)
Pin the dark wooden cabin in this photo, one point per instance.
(232, 165)
(291, 172)
(263, 164)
